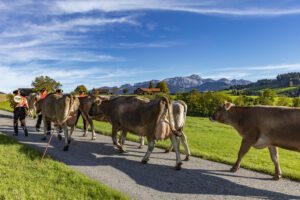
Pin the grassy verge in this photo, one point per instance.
(23, 178)
(4, 105)
(221, 143)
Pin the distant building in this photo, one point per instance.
(100, 91)
(142, 91)
(25, 91)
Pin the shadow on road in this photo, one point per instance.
(158, 177)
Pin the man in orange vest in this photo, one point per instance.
(20, 112)
(40, 117)
(81, 94)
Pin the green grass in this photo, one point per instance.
(221, 143)
(22, 177)
(4, 105)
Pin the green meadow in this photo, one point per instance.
(22, 177)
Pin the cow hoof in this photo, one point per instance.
(43, 138)
(59, 137)
(84, 135)
(187, 158)
(234, 169)
(144, 161)
(66, 148)
(69, 141)
(93, 138)
(167, 151)
(178, 166)
(122, 149)
(115, 143)
(276, 177)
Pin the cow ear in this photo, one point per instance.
(98, 101)
(227, 105)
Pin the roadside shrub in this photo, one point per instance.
(244, 101)
(283, 101)
(202, 104)
(296, 102)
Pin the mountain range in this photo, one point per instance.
(186, 84)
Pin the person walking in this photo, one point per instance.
(40, 116)
(20, 106)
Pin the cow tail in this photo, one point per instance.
(171, 116)
(69, 111)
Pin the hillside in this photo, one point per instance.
(285, 84)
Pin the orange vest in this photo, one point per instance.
(23, 103)
(43, 95)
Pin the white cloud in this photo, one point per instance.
(20, 77)
(201, 7)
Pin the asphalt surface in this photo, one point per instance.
(198, 179)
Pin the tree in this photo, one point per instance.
(45, 82)
(283, 101)
(125, 90)
(267, 97)
(80, 88)
(151, 85)
(296, 102)
(115, 90)
(162, 86)
(194, 91)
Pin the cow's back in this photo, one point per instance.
(137, 115)
(278, 126)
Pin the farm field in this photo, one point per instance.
(23, 178)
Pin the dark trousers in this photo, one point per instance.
(84, 122)
(39, 121)
(19, 114)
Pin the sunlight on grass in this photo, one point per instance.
(23, 178)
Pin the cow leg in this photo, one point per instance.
(71, 132)
(45, 127)
(142, 142)
(151, 144)
(114, 135)
(175, 142)
(245, 146)
(65, 128)
(122, 137)
(275, 158)
(169, 149)
(186, 147)
(85, 126)
(93, 130)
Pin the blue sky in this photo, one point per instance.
(110, 43)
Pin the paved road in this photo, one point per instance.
(198, 179)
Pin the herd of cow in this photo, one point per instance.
(157, 119)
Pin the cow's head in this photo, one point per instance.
(96, 111)
(222, 113)
(38, 106)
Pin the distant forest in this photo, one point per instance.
(286, 80)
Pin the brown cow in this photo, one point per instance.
(260, 127)
(84, 108)
(60, 109)
(142, 117)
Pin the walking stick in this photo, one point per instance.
(47, 146)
